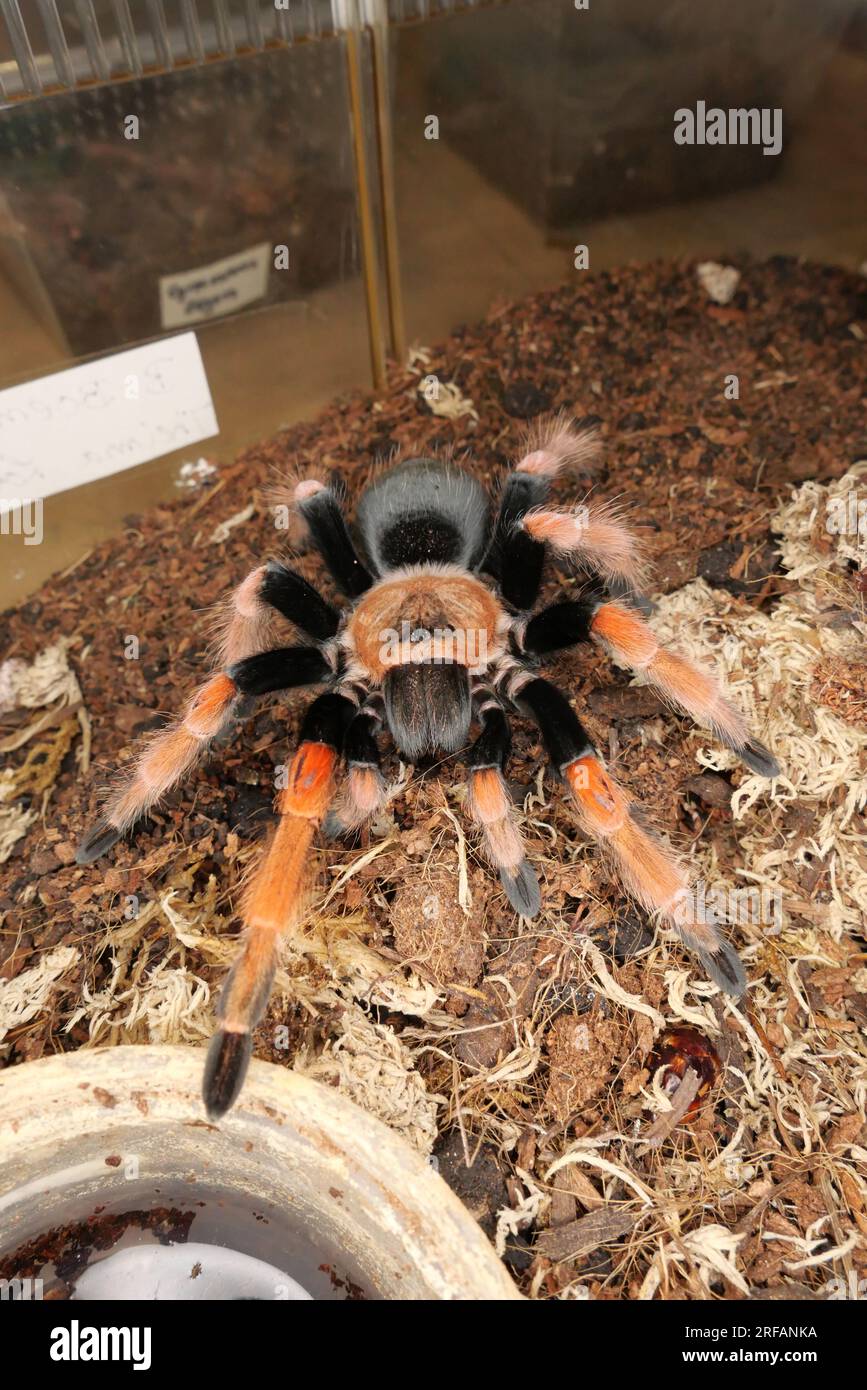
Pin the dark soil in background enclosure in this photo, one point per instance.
(213, 189)
(644, 354)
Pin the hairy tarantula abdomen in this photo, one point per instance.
(438, 632)
(423, 512)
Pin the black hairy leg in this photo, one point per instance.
(321, 511)
(515, 558)
(560, 625)
(291, 595)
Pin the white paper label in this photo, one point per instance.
(192, 296)
(94, 420)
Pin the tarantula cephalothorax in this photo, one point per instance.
(438, 631)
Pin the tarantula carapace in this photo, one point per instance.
(438, 633)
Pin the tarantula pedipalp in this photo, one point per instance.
(439, 630)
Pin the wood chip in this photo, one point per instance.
(586, 1234)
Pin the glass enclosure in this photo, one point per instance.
(555, 130)
(163, 171)
(310, 187)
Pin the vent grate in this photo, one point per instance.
(46, 45)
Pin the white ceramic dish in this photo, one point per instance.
(323, 1183)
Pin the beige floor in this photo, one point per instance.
(463, 246)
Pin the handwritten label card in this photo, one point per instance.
(91, 421)
(192, 296)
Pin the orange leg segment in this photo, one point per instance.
(631, 642)
(274, 904)
(277, 895)
(647, 870)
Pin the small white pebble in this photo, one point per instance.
(718, 281)
(192, 475)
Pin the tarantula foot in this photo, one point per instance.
(522, 889)
(725, 967)
(226, 1066)
(758, 758)
(97, 841)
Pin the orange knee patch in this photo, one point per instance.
(209, 705)
(602, 803)
(630, 639)
(489, 799)
(311, 781)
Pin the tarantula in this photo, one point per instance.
(438, 631)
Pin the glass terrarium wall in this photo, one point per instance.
(528, 128)
(311, 183)
(181, 166)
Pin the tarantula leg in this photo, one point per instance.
(172, 752)
(99, 839)
(622, 591)
(245, 622)
(632, 643)
(649, 872)
(298, 602)
(276, 898)
(490, 805)
(561, 624)
(320, 509)
(364, 790)
(514, 558)
(167, 757)
(593, 535)
(242, 622)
